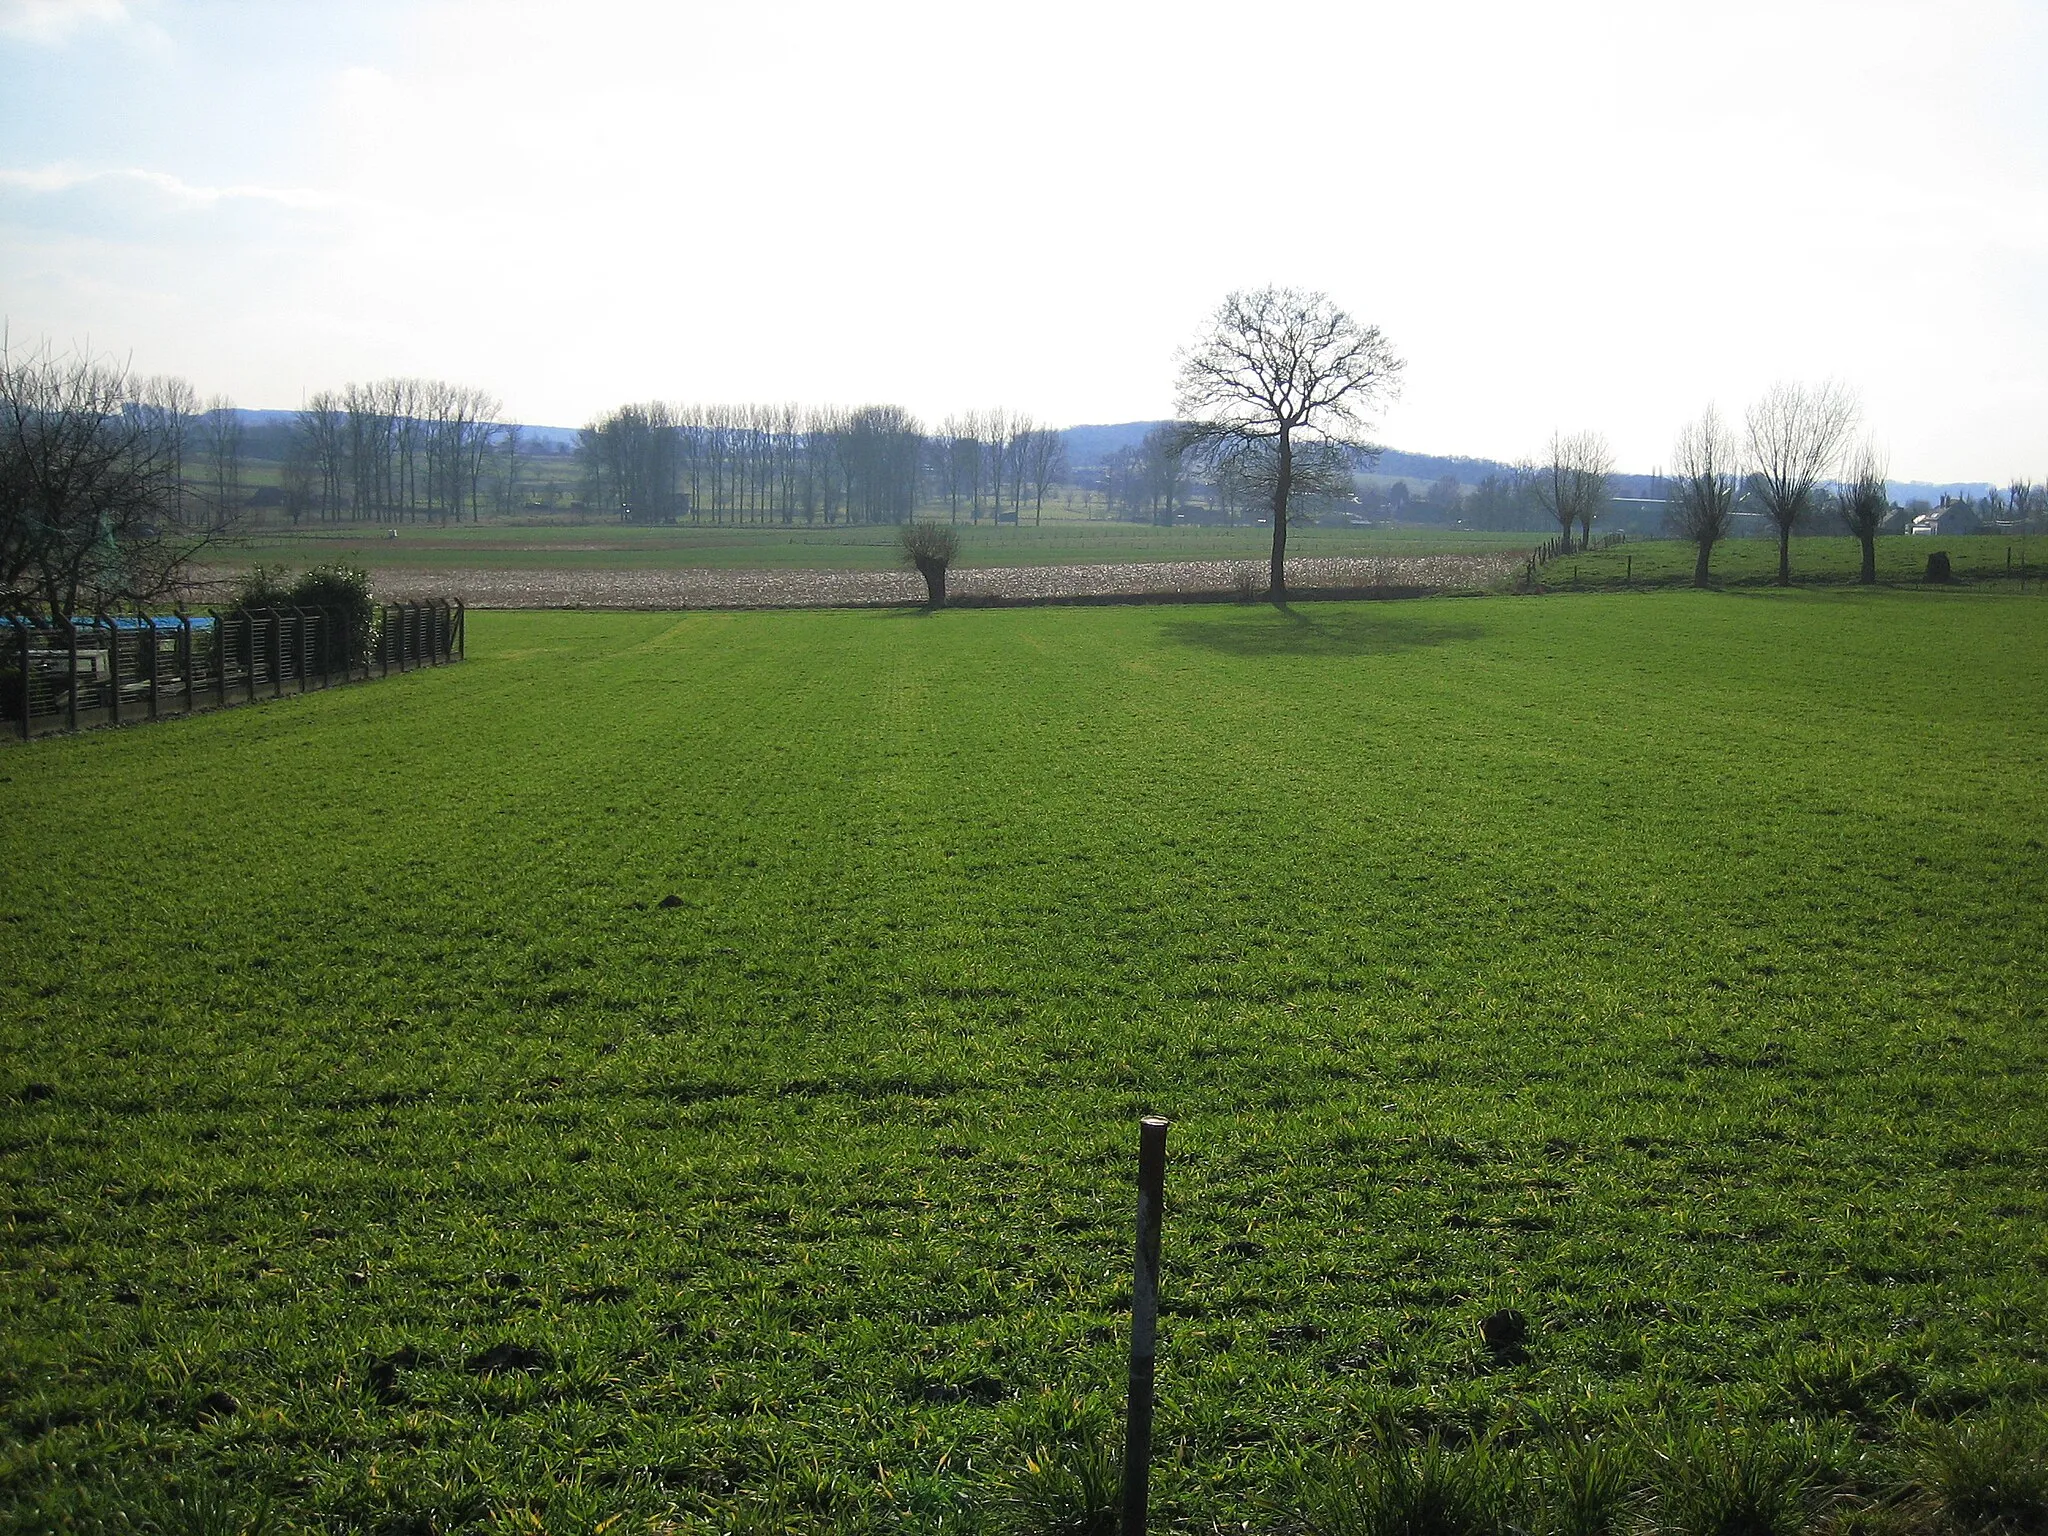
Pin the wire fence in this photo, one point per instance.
(118, 669)
(1552, 549)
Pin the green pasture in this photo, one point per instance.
(1819, 559)
(679, 1071)
(559, 544)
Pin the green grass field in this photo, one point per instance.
(679, 1072)
(557, 544)
(1817, 560)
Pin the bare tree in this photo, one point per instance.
(1704, 486)
(930, 547)
(220, 441)
(320, 440)
(171, 405)
(1244, 473)
(994, 438)
(1288, 368)
(1571, 484)
(1165, 453)
(1863, 499)
(510, 440)
(1046, 460)
(1794, 434)
(88, 496)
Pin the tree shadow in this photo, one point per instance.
(1352, 630)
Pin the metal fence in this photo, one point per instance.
(115, 669)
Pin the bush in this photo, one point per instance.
(340, 593)
(931, 547)
(265, 586)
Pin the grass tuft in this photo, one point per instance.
(1587, 1488)
(1717, 1484)
(1395, 1489)
(1992, 1475)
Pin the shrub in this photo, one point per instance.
(1247, 581)
(265, 586)
(340, 593)
(930, 547)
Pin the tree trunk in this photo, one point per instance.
(1784, 555)
(1282, 483)
(1869, 575)
(934, 574)
(1699, 566)
(1565, 543)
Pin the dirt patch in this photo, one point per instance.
(559, 588)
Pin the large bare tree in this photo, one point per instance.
(89, 505)
(1045, 457)
(1863, 500)
(1285, 368)
(1572, 481)
(1794, 435)
(1704, 485)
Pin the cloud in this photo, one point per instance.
(57, 21)
(162, 186)
(134, 206)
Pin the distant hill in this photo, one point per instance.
(1089, 447)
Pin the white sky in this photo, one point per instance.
(1575, 215)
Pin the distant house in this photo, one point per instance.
(1948, 518)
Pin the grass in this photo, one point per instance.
(1817, 560)
(557, 544)
(682, 1068)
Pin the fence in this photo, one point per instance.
(118, 669)
(1551, 549)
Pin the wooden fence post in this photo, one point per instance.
(220, 656)
(461, 630)
(149, 629)
(384, 641)
(28, 697)
(113, 683)
(71, 645)
(1144, 1325)
(185, 652)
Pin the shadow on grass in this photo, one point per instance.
(1365, 630)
